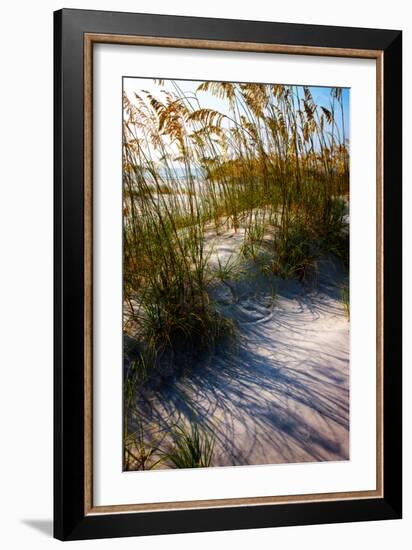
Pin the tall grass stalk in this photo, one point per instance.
(273, 163)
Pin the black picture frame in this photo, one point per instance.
(70, 520)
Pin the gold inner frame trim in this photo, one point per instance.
(89, 40)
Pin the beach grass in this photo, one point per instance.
(274, 164)
(192, 447)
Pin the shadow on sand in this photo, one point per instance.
(281, 393)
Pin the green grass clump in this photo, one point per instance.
(192, 447)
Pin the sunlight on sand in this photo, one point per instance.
(280, 393)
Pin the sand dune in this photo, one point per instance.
(281, 392)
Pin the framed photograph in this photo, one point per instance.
(227, 274)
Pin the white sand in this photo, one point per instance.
(281, 394)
